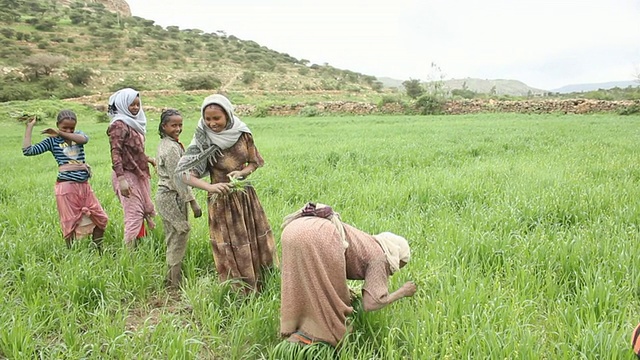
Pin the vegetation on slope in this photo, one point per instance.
(65, 51)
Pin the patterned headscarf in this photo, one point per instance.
(395, 247)
(119, 110)
(207, 144)
(319, 210)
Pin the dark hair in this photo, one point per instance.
(66, 114)
(164, 119)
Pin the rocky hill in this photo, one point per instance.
(117, 6)
(87, 47)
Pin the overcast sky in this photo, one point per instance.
(544, 43)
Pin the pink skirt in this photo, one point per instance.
(79, 209)
(138, 207)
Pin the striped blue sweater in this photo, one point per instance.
(64, 154)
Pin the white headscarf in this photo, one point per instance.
(119, 110)
(206, 143)
(395, 247)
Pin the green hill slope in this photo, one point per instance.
(94, 50)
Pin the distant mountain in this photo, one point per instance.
(481, 86)
(595, 86)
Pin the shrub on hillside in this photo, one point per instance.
(79, 75)
(429, 105)
(13, 87)
(309, 111)
(199, 82)
(630, 110)
(248, 77)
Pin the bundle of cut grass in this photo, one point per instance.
(239, 184)
(25, 117)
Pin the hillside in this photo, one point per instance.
(118, 50)
(480, 86)
(574, 88)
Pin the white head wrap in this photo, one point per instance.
(119, 110)
(206, 144)
(395, 247)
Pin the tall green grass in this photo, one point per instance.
(523, 228)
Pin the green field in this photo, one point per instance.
(522, 227)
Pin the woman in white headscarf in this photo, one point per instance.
(241, 237)
(319, 254)
(130, 177)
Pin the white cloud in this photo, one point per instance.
(546, 44)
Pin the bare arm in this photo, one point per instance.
(371, 304)
(76, 138)
(220, 188)
(26, 142)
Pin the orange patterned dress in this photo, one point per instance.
(241, 237)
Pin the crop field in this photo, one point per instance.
(523, 229)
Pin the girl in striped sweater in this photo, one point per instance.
(80, 211)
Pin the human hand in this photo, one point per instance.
(236, 174)
(409, 288)
(123, 186)
(197, 212)
(219, 188)
(51, 132)
(32, 122)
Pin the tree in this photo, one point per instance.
(44, 64)
(413, 87)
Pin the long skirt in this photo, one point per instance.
(137, 207)
(314, 292)
(79, 209)
(241, 238)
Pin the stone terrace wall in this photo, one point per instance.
(574, 106)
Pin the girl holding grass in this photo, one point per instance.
(80, 211)
(319, 254)
(173, 196)
(130, 177)
(241, 238)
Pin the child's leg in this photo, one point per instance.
(98, 237)
(176, 249)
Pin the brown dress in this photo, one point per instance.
(241, 237)
(315, 297)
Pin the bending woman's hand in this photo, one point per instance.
(409, 289)
(371, 304)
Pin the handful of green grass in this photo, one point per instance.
(25, 117)
(239, 184)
